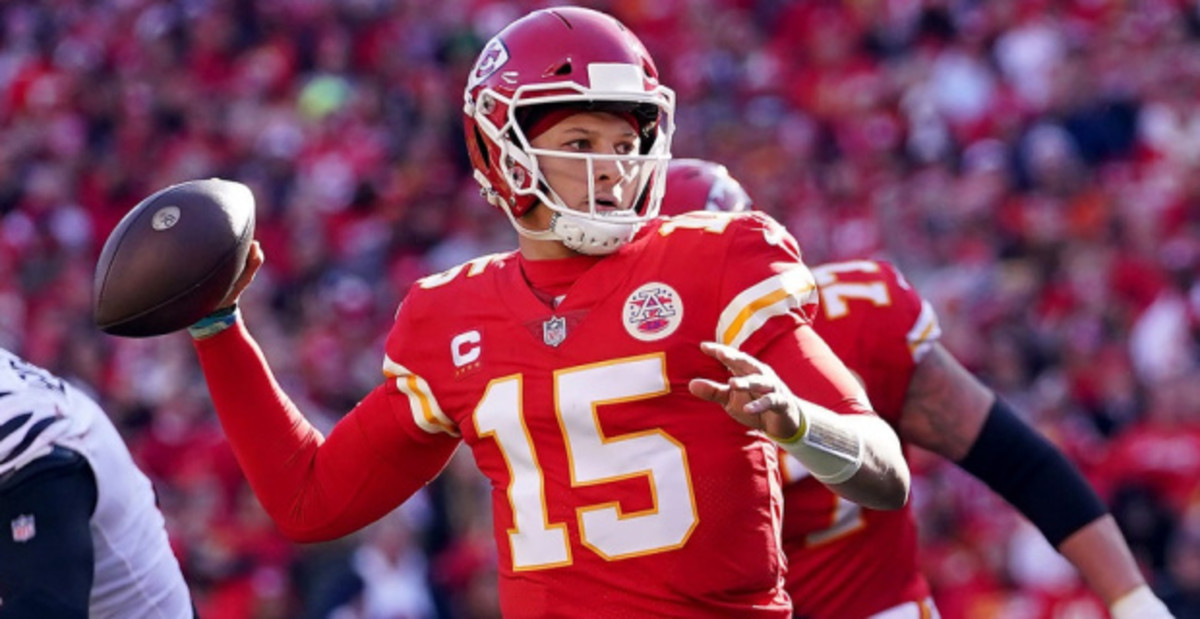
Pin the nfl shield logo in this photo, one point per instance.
(23, 528)
(554, 331)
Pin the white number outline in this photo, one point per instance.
(473, 267)
(713, 222)
(518, 534)
(596, 513)
(544, 546)
(834, 293)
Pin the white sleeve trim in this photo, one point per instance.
(424, 406)
(754, 306)
(925, 332)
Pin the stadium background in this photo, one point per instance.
(1033, 166)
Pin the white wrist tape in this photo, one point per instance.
(832, 452)
(1141, 603)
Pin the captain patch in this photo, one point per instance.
(653, 312)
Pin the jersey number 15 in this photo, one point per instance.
(593, 458)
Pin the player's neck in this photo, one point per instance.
(537, 250)
(552, 279)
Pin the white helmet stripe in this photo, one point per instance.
(616, 77)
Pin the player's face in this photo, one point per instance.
(612, 179)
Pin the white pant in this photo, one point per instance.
(925, 609)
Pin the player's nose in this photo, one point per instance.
(607, 169)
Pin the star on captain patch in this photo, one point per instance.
(554, 331)
(23, 528)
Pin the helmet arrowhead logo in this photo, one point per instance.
(494, 56)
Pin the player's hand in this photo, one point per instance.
(754, 395)
(254, 260)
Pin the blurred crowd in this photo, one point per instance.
(1032, 165)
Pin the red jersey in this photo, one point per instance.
(844, 560)
(616, 493)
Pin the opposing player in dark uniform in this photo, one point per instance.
(80, 533)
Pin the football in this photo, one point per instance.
(173, 257)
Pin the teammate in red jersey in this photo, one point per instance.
(845, 561)
(582, 369)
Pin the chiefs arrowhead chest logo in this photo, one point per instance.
(652, 312)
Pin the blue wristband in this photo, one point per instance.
(215, 322)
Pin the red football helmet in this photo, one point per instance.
(699, 185)
(566, 58)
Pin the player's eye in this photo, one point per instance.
(581, 145)
(625, 148)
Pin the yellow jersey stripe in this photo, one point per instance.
(423, 402)
(749, 311)
(426, 412)
(753, 307)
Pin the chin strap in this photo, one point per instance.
(529, 233)
(594, 238)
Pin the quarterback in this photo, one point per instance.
(612, 377)
(847, 561)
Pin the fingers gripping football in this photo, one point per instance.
(254, 260)
(754, 394)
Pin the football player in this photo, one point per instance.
(847, 561)
(583, 368)
(82, 535)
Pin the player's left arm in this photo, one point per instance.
(785, 379)
(855, 453)
(948, 411)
